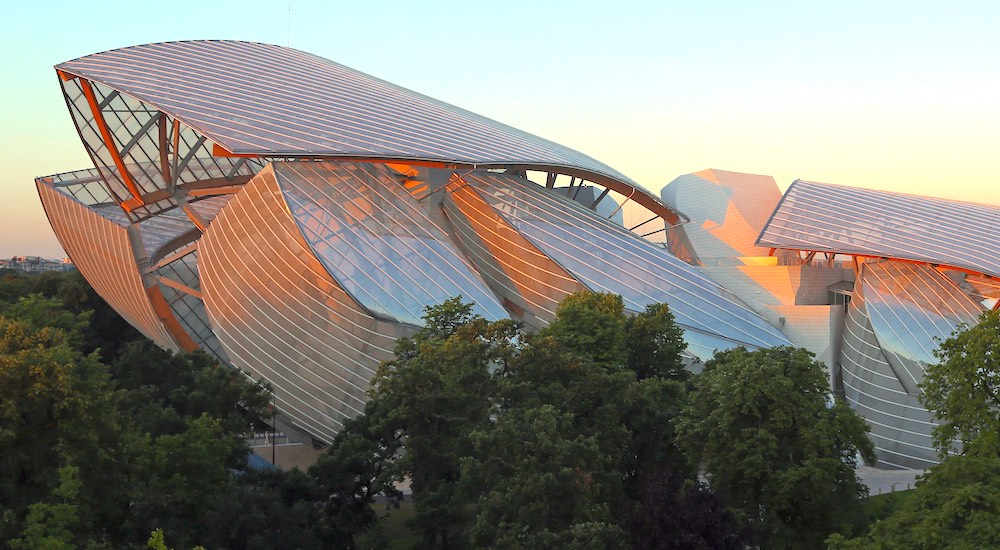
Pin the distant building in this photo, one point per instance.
(36, 264)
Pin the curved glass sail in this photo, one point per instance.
(897, 313)
(912, 307)
(377, 242)
(607, 257)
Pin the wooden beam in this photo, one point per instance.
(109, 142)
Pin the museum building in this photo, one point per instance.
(293, 217)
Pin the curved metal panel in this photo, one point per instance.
(831, 218)
(377, 242)
(267, 100)
(896, 312)
(606, 257)
(281, 316)
(103, 252)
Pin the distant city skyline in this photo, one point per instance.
(884, 95)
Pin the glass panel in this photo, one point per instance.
(608, 257)
(912, 307)
(377, 242)
(817, 216)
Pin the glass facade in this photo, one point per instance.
(606, 257)
(375, 239)
(281, 316)
(897, 314)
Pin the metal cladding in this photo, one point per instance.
(282, 316)
(101, 247)
(831, 218)
(924, 267)
(727, 212)
(898, 313)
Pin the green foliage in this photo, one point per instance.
(654, 344)
(53, 414)
(538, 479)
(358, 467)
(761, 425)
(99, 457)
(963, 390)
(955, 505)
(433, 394)
(52, 525)
(513, 441)
(165, 390)
(675, 512)
(267, 509)
(106, 331)
(180, 478)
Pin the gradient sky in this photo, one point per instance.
(902, 96)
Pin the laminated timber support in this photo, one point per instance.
(109, 142)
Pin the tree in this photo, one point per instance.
(433, 394)
(675, 512)
(358, 467)
(165, 390)
(534, 441)
(181, 478)
(267, 508)
(538, 484)
(580, 416)
(654, 344)
(955, 505)
(762, 426)
(963, 390)
(54, 405)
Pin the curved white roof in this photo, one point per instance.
(847, 220)
(272, 101)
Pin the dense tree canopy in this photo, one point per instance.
(955, 505)
(101, 456)
(525, 441)
(763, 426)
(589, 433)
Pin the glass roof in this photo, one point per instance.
(270, 100)
(607, 257)
(825, 218)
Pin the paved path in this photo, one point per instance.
(886, 481)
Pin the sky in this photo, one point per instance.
(900, 96)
